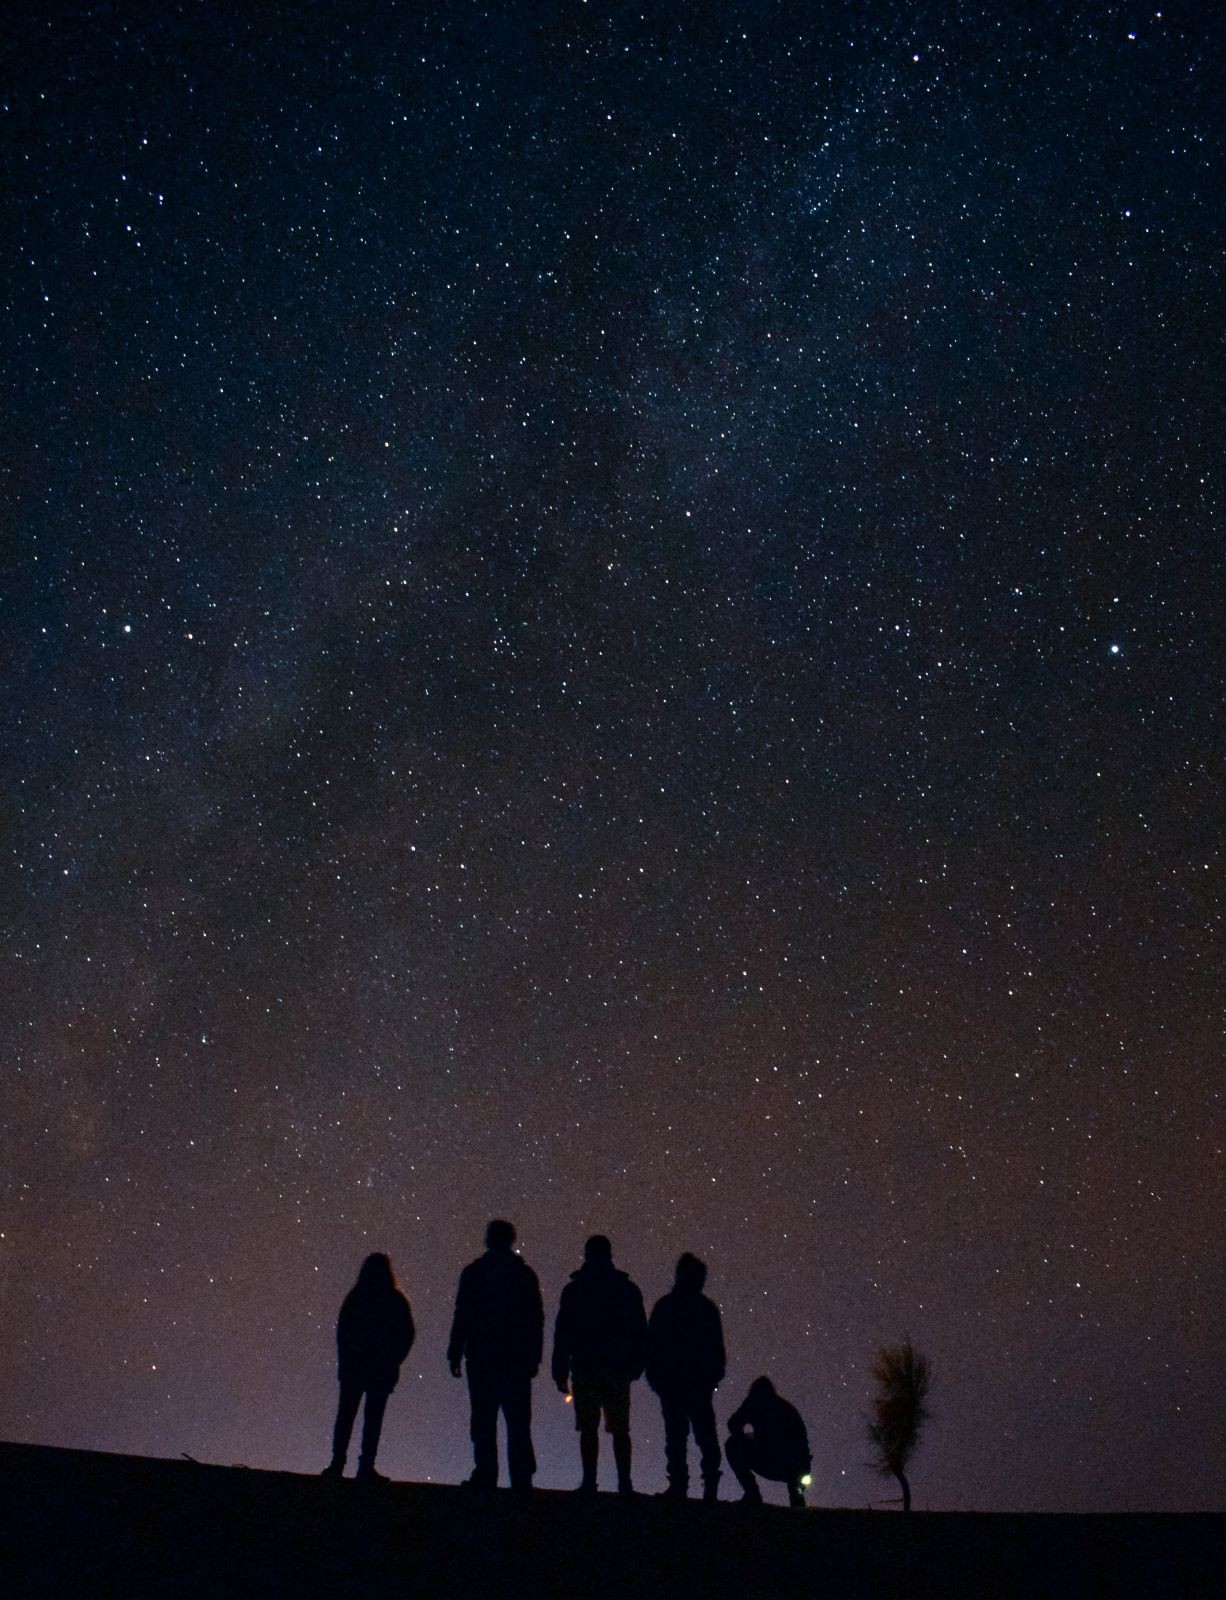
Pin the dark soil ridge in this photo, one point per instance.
(74, 1522)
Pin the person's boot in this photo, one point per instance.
(622, 1456)
(710, 1486)
(678, 1489)
(335, 1468)
(589, 1455)
(751, 1495)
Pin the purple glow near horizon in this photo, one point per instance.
(615, 623)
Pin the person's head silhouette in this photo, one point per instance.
(691, 1273)
(499, 1235)
(598, 1252)
(376, 1275)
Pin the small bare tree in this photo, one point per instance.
(899, 1412)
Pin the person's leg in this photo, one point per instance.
(676, 1438)
(517, 1408)
(617, 1423)
(622, 1454)
(483, 1428)
(702, 1420)
(782, 1469)
(738, 1453)
(372, 1427)
(587, 1420)
(589, 1456)
(346, 1411)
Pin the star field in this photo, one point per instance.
(612, 617)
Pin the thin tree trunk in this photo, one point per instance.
(906, 1490)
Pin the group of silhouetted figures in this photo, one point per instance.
(603, 1341)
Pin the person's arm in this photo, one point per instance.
(737, 1421)
(537, 1321)
(719, 1354)
(344, 1331)
(407, 1332)
(637, 1341)
(560, 1365)
(460, 1324)
(655, 1338)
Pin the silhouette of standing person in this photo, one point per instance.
(685, 1363)
(599, 1345)
(374, 1333)
(775, 1446)
(498, 1331)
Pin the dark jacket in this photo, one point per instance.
(374, 1333)
(685, 1343)
(499, 1322)
(601, 1331)
(777, 1429)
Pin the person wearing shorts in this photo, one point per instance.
(600, 1396)
(599, 1346)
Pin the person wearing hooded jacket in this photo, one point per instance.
(767, 1439)
(374, 1333)
(599, 1346)
(685, 1363)
(498, 1332)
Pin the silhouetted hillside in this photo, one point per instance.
(76, 1523)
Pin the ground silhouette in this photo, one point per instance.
(73, 1523)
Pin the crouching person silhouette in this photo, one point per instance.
(599, 1344)
(685, 1362)
(498, 1332)
(767, 1439)
(374, 1333)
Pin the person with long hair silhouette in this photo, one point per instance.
(497, 1332)
(374, 1333)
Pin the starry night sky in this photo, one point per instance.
(611, 616)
